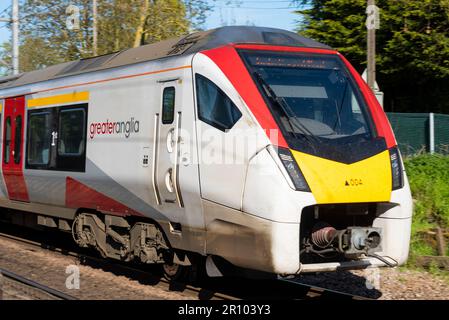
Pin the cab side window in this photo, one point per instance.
(214, 106)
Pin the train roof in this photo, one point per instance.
(192, 43)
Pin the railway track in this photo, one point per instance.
(122, 269)
(16, 287)
(214, 289)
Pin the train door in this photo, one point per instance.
(13, 148)
(167, 158)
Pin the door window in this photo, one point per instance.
(168, 105)
(7, 148)
(18, 140)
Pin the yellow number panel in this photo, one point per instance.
(368, 180)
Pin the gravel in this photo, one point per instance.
(384, 283)
(49, 268)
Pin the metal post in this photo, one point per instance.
(432, 133)
(94, 28)
(371, 50)
(15, 37)
(441, 244)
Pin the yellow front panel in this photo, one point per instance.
(59, 99)
(368, 180)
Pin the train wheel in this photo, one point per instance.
(175, 272)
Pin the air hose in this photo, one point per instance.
(388, 263)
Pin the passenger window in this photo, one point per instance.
(71, 132)
(18, 140)
(214, 107)
(57, 138)
(7, 148)
(39, 138)
(168, 105)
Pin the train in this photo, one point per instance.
(242, 149)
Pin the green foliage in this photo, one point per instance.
(46, 40)
(163, 21)
(429, 182)
(412, 46)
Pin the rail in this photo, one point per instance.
(27, 283)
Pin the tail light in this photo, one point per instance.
(396, 169)
(293, 170)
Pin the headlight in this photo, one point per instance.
(396, 169)
(293, 170)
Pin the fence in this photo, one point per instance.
(421, 132)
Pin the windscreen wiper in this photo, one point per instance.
(339, 109)
(285, 108)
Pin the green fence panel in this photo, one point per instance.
(441, 124)
(411, 131)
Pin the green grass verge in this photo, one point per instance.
(429, 183)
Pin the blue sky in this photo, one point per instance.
(268, 13)
(4, 32)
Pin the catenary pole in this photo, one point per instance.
(94, 28)
(371, 50)
(14, 20)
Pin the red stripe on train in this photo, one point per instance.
(78, 195)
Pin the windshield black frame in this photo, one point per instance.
(345, 149)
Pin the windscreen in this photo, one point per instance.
(313, 97)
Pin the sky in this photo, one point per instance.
(264, 13)
(4, 32)
(267, 13)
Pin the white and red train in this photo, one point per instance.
(249, 147)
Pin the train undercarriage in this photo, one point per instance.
(114, 237)
(330, 233)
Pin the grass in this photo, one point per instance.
(429, 183)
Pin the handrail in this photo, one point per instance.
(176, 164)
(155, 158)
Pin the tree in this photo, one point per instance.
(46, 20)
(46, 40)
(196, 11)
(161, 19)
(412, 46)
